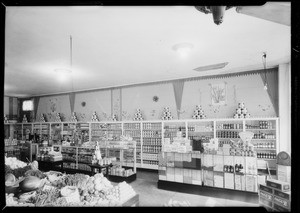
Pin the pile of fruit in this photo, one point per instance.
(58, 189)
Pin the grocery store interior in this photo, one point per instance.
(142, 106)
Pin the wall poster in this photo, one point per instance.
(218, 94)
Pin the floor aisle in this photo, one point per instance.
(149, 195)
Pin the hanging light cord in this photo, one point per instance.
(71, 45)
(264, 63)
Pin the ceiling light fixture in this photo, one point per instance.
(264, 56)
(183, 48)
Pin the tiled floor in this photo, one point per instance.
(149, 195)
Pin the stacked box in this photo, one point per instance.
(187, 176)
(178, 161)
(179, 175)
(218, 179)
(170, 174)
(279, 185)
(284, 173)
(228, 180)
(162, 173)
(196, 177)
(208, 178)
(261, 179)
(282, 200)
(170, 159)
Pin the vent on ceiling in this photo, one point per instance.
(211, 67)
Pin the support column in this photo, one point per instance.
(284, 87)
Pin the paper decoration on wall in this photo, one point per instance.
(125, 115)
(155, 98)
(218, 94)
(241, 111)
(138, 115)
(95, 116)
(166, 115)
(178, 91)
(42, 118)
(73, 117)
(114, 117)
(57, 117)
(24, 119)
(198, 113)
(5, 119)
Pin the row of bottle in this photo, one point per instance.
(227, 134)
(132, 126)
(152, 149)
(152, 140)
(152, 133)
(169, 134)
(230, 126)
(266, 155)
(208, 128)
(152, 143)
(260, 125)
(132, 133)
(151, 162)
(151, 125)
(262, 135)
(269, 145)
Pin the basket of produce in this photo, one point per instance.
(18, 168)
(12, 184)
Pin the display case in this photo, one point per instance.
(124, 168)
(151, 144)
(68, 132)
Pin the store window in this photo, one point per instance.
(27, 105)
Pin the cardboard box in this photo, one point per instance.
(265, 202)
(282, 202)
(277, 184)
(179, 175)
(263, 187)
(284, 195)
(280, 208)
(266, 195)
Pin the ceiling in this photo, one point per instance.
(123, 45)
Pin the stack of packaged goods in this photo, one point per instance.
(199, 113)
(241, 111)
(24, 119)
(73, 117)
(117, 170)
(114, 117)
(42, 118)
(57, 117)
(95, 117)
(138, 115)
(166, 115)
(180, 144)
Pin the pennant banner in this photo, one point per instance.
(36, 105)
(178, 90)
(72, 101)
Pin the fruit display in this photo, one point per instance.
(58, 189)
(14, 163)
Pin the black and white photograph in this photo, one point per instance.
(183, 105)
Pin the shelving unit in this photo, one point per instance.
(149, 135)
(151, 144)
(134, 130)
